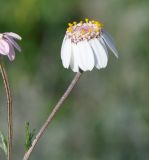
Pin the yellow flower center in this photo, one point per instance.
(83, 30)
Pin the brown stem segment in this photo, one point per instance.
(9, 110)
(51, 115)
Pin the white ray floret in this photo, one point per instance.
(86, 57)
(109, 41)
(100, 53)
(66, 53)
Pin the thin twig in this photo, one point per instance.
(51, 115)
(9, 110)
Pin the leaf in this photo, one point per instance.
(29, 135)
(3, 144)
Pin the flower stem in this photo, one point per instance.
(51, 115)
(9, 110)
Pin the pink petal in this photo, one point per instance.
(4, 47)
(14, 35)
(11, 54)
(11, 41)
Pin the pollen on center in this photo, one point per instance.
(83, 30)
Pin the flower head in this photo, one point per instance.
(8, 43)
(85, 46)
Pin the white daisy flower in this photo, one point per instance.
(85, 46)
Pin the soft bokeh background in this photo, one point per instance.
(107, 115)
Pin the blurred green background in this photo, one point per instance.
(107, 115)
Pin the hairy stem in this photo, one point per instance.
(9, 110)
(51, 115)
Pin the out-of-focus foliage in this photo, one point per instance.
(29, 135)
(3, 143)
(107, 115)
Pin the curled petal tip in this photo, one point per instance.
(13, 35)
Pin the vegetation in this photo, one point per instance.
(107, 115)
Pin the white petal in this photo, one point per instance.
(100, 53)
(75, 58)
(109, 41)
(104, 45)
(82, 56)
(86, 56)
(64, 40)
(4, 47)
(66, 52)
(14, 35)
(72, 60)
(87, 61)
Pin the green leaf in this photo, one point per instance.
(29, 135)
(3, 144)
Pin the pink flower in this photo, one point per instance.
(8, 44)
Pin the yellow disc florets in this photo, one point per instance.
(83, 30)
